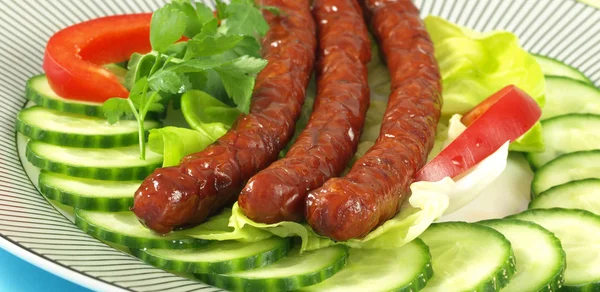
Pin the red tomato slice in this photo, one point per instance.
(504, 116)
(75, 54)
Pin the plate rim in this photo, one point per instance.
(53, 267)
(64, 271)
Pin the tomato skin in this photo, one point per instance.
(74, 55)
(482, 107)
(504, 116)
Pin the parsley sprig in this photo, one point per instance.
(220, 55)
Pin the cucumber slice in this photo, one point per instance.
(539, 255)
(402, 269)
(88, 194)
(553, 67)
(290, 273)
(566, 96)
(580, 194)
(566, 168)
(579, 233)
(123, 228)
(565, 134)
(121, 163)
(73, 130)
(218, 257)
(468, 257)
(39, 91)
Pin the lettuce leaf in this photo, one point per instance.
(174, 143)
(472, 183)
(209, 119)
(446, 133)
(218, 228)
(207, 114)
(475, 65)
(428, 202)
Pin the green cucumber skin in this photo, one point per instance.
(535, 188)
(502, 277)
(51, 103)
(587, 287)
(134, 242)
(78, 201)
(76, 140)
(592, 287)
(74, 107)
(580, 76)
(257, 261)
(556, 283)
(272, 285)
(426, 274)
(534, 203)
(119, 174)
(419, 283)
(534, 164)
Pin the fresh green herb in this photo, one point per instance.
(275, 10)
(169, 81)
(204, 46)
(140, 102)
(221, 56)
(193, 24)
(244, 19)
(204, 13)
(221, 9)
(210, 27)
(167, 26)
(237, 77)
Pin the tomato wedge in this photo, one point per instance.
(504, 116)
(74, 55)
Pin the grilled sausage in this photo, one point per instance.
(378, 183)
(205, 182)
(323, 149)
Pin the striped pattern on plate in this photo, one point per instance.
(29, 226)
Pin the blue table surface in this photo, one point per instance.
(17, 275)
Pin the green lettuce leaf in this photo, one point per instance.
(426, 204)
(429, 200)
(476, 65)
(207, 114)
(217, 228)
(175, 143)
(446, 133)
(209, 119)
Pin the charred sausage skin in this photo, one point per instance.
(206, 181)
(378, 183)
(323, 149)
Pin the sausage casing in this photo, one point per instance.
(206, 181)
(374, 189)
(324, 147)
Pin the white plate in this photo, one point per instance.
(33, 230)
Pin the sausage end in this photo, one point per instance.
(166, 199)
